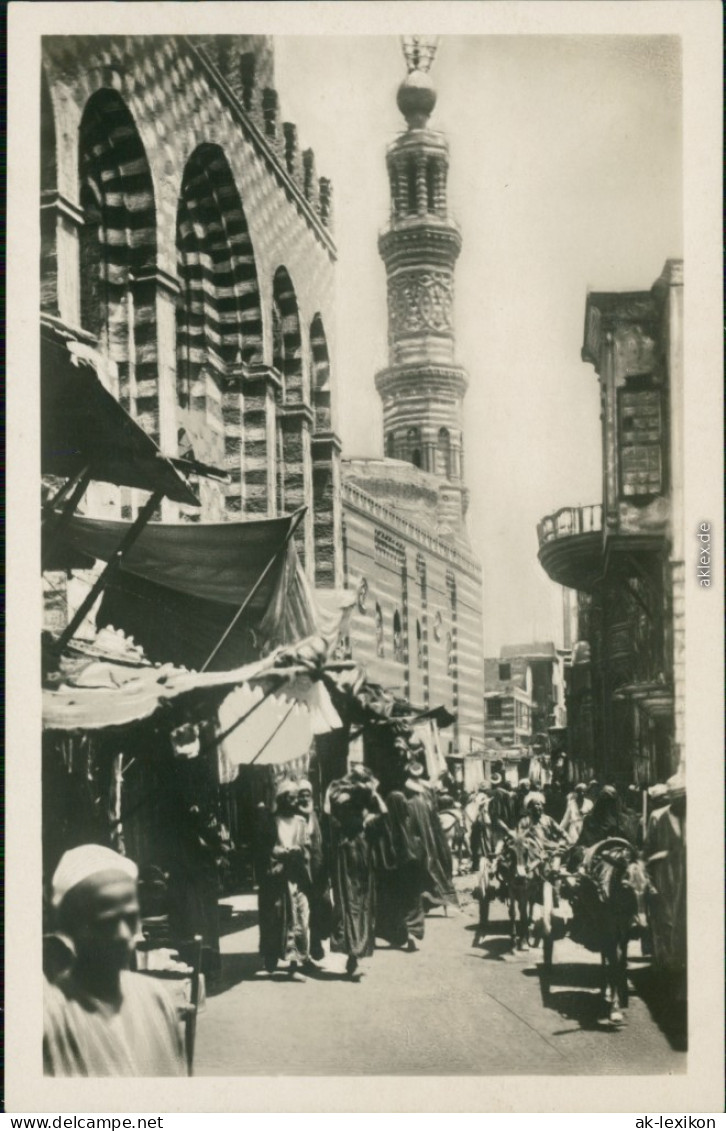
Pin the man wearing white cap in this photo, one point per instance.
(100, 1018)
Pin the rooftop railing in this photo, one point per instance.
(570, 521)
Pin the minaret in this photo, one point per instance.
(422, 388)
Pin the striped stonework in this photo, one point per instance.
(117, 246)
(453, 656)
(437, 585)
(166, 212)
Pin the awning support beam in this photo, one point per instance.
(294, 523)
(110, 568)
(52, 522)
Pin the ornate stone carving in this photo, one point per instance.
(420, 300)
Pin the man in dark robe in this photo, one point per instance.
(501, 807)
(438, 877)
(399, 860)
(355, 809)
(665, 851)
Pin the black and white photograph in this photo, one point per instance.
(364, 701)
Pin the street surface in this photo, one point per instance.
(449, 1009)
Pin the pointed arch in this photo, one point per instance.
(320, 376)
(219, 321)
(443, 453)
(288, 339)
(413, 446)
(118, 250)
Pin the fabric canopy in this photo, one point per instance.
(278, 728)
(180, 585)
(98, 694)
(83, 425)
(213, 561)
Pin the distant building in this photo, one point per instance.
(624, 556)
(418, 622)
(508, 705)
(524, 710)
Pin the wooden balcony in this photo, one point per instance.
(570, 546)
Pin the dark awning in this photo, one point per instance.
(180, 584)
(83, 425)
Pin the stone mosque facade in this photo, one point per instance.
(186, 239)
(417, 624)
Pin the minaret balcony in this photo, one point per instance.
(571, 546)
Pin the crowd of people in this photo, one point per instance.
(595, 814)
(365, 867)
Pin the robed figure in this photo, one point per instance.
(355, 809)
(284, 883)
(400, 874)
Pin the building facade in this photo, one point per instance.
(186, 238)
(417, 626)
(624, 556)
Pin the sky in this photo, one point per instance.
(565, 174)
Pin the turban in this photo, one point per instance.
(305, 784)
(535, 795)
(81, 863)
(285, 786)
(676, 786)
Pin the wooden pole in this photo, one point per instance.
(294, 523)
(111, 566)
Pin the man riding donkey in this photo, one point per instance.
(609, 894)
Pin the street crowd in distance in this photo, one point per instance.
(367, 865)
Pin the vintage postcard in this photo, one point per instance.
(365, 679)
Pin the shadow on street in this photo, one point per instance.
(658, 994)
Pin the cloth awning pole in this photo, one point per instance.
(110, 568)
(53, 523)
(294, 523)
(275, 732)
(220, 738)
(61, 493)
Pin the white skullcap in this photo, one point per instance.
(79, 864)
(305, 784)
(535, 795)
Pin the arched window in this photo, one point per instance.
(443, 453)
(419, 645)
(218, 320)
(411, 187)
(399, 651)
(287, 359)
(431, 184)
(285, 310)
(320, 375)
(413, 446)
(117, 249)
(391, 445)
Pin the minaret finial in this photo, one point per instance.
(416, 95)
(419, 51)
